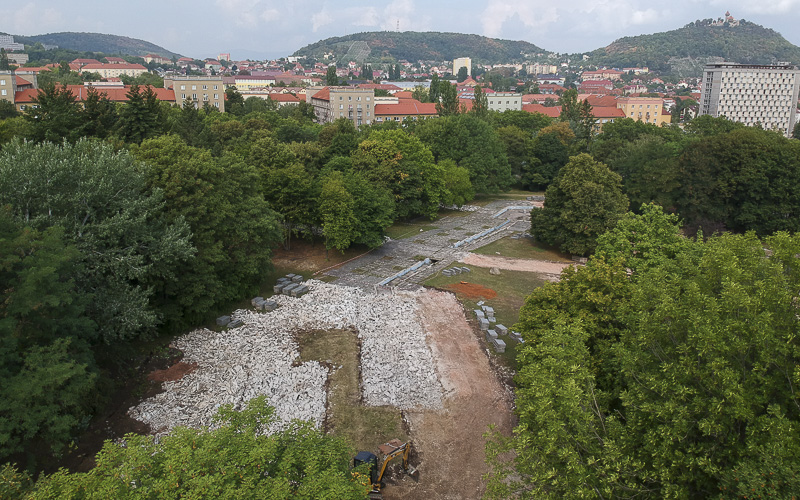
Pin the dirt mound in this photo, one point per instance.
(174, 372)
(472, 290)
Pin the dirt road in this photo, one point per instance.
(552, 269)
(450, 442)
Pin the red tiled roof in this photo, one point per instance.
(607, 112)
(379, 86)
(551, 111)
(601, 100)
(323, 95)
(406, 107)
(22, 81)
(86, 61)
(405, 94)
(116, 94)
(283, 98)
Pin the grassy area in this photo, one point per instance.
(512, 288)
(522, 248)
(365, 427)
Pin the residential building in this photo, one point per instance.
(551, 88)
(551, 111)
(541, 69)
(115, 60)
(644, 109)
(752, 94)
(602, 74)
(284, 99)
(8, 85)
(551, 79)
(7, 42)
(114, 70)
(198, 89)
(606, 114)
(156, 59)
(504, 101)
(403, 109)
(332, 103)
(213, 65)
(596, 87)
(224, 57)
(462, 62)
(17, 58)
(118, 93)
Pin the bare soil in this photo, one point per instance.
(551, 269)
(173, 373)
(449, 443)
(472, 291)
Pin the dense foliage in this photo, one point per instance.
(233, 460)
(422, 46)
(97, 42)
(665, 368)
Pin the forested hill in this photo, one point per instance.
(98, 42)
(416, 46)
(686, 49)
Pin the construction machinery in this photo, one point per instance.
(377, 467)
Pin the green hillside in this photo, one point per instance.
(686, 49)
(97, 42)
(426, 46)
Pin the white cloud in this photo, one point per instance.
(270, 15)
(32, 19)
(320, 19)
(532, 14)
(742, 8)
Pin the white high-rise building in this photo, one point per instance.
(462, 62)
(752, 94)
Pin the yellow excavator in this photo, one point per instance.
(389, 451)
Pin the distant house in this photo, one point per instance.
(156, 59)
(332, 103)
(550, 80)
(596, 87)
(404, 109)
(114, 70)
(602, 74)
(116, 60)
(213, 65)
(551, 88)
(284, 99)
(83, 62)
(551, 111)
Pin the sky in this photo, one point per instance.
(260, 29)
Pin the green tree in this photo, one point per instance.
(578, 114)
(583, 202)
(140, 116)
(55, 115)
(47, 380)
(189, 124)
(434, 94)
(336, 208)
(448, 104)
(458, 187)
(481, 105)
(100, 197)
(234, 102)
(7, 110)
(688, 390)
(796, 131)
(473, 144)
(330, 77)
(237, 459)
(4, 65)
(462, 74)
(99, 114)
(232, 227)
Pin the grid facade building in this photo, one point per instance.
(752, 94)
(200, 90)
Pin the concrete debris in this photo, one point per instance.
(501, 329)
(259, 357)
(223, 320)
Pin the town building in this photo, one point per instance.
(17, 58)
(752, 94)
(541, 69)
(114, 70)
(462, 62)
(198, 89)
(115, 93)
(8, 85)
(395, 109)
(332, 103)
(115, 60)
(644, 109)
(504, 101)
(596, 87)
(7, 42)
(154, 58)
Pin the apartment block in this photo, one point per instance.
(332, 103)
(8, 85)
(752, 94)
(504, 101)
(198, 89)
(113, 70)
(462, 62)
(644, 109)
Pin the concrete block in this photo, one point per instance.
(290, 276)
(287, 290)
(297, 278)
(499, 345)
(256, 300)
(279, 287)
(491, 333)
(501, 329)
(492, 319)
(479, 314)
(223, 320)
(466, 270)
(235, 323)
(488, 309)
(484, 324)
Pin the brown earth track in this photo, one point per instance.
(449, 443)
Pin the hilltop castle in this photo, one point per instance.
(728, 20)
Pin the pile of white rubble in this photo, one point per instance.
(257, 358)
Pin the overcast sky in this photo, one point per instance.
(270, 28)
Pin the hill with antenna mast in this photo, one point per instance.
(420, 46)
